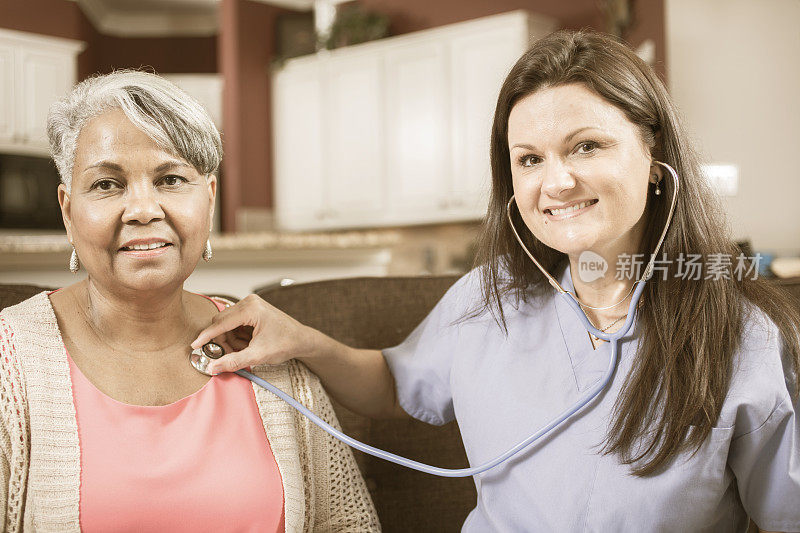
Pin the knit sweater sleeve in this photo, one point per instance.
(340, 500)
(13, 433)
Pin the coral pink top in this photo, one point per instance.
(202, 463)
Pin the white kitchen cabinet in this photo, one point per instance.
(403, 125)
(352, 139)
(297, 108)
(34, 72)
(480, 61)
(7, 97)
(417, 143)
(205, 88)
(327, 186)
(46, 76)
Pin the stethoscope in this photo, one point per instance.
(201, 358)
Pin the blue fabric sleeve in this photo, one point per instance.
(766, 463)
(764, 452)
(421, 364)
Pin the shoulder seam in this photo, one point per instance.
(761, 426)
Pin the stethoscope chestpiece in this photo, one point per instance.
(202, 357)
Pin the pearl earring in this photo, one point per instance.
(658, 185)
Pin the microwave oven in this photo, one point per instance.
(29, 193)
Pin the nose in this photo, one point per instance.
(141, 206)
(557, 178)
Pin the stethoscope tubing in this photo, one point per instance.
(583, 401)
(590, 395)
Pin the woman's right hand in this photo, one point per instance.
(258, 333)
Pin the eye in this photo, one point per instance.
(172, 180)
(528, 161)
(587, 147)
(105, 185)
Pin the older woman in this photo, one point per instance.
(105, 425)
(698, 428)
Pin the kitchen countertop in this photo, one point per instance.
(20, 253)
(242, 261)
(58, 243)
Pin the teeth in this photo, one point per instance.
(151, 246)
(571, 208)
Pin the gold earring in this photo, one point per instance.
(208, 255)
(74, 264)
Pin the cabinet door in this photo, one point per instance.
(205, 88)
(353, 137)
(7, 95)
(46, 76)
(297, 112)
(417, 143)
(480, 63)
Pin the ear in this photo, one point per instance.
(212, 194)
(65, 203)
(656, 173)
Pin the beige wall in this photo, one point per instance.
(734, 70)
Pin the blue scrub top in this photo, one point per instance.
(503, 388)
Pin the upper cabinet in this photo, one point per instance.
(394, 132)
(205, 88)
(34, 72)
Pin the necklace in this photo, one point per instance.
(595, 339)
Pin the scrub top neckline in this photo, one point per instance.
(588, 364)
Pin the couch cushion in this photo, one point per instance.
(14, 294)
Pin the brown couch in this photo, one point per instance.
(376, 313)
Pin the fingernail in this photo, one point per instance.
(195, 345)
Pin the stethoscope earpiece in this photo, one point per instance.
(202, 357)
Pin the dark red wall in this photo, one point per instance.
(649, 23)
(103, 53)
(246, 49)
(413, 15)
(57, 18)
(163, 54)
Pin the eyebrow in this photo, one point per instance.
(566, 138)
(580, 130)
(105, 164)
(117, 168)
(170, 164)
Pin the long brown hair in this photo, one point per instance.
(691, 329)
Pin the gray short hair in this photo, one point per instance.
(169, 116)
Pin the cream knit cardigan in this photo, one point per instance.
(40, 454)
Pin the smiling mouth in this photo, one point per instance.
(570, 209)
(145, 247)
